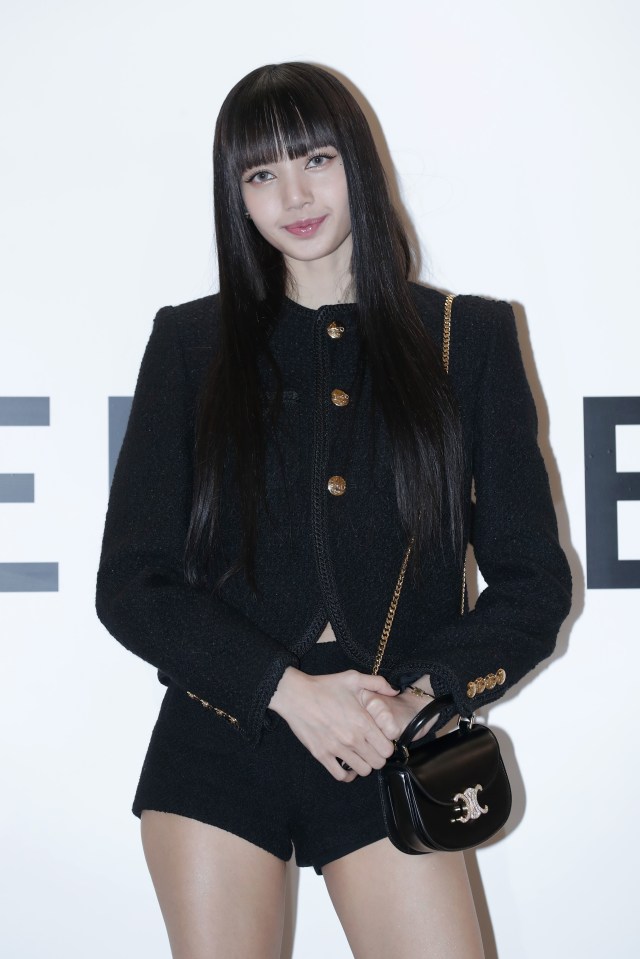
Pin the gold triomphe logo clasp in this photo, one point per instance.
(470, 805)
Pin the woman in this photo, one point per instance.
(287, 437)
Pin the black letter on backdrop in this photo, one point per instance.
(119, 409)
(604, 486)
(20, 488)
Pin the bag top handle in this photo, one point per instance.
(421, 719)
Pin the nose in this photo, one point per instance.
(297, 190)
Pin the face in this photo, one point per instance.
(301, 207)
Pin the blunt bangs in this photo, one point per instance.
(277, 114)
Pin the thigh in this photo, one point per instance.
(221, 896)
(392, 904)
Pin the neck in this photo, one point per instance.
(315, 295)
(318, 283)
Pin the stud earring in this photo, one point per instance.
(247, 214)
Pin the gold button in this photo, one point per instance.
(335, 331)
(337, 485)
(491, 680)
(471, 690)
(500, 676)
(339, 397)
(480, 684)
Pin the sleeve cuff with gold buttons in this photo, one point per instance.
(468, 694)
(475, 687)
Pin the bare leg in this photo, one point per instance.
(221, 896)
(408, 907)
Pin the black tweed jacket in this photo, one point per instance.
(323, 556)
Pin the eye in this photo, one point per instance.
(320, 160)
(258, 176)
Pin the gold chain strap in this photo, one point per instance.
(446, 333)
(382, 645)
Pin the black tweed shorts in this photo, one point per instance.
(275, 795)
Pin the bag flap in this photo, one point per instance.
(444, 767)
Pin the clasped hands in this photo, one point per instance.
(350, 715)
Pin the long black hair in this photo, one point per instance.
(290, 110)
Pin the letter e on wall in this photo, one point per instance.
(609, 492)
(20, 488)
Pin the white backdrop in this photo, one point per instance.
(513, 131)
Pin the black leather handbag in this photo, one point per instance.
(447, 793)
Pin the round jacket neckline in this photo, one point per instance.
(292, 306)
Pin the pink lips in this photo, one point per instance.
(306, 227)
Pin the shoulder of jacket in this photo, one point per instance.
(482, 310)
(195, 322)
(478, 315)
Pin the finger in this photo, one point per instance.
(384, 718)
(338, 772)
(378, 759)
(351, 774)
(382, 746)
(374, 749)
(375, 737)
(371, 757)
(332, 765)
(380, 733)
(358, 764)
(343, 764)
(377, 684)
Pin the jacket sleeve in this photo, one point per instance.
(194, 638)
(517, 617)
